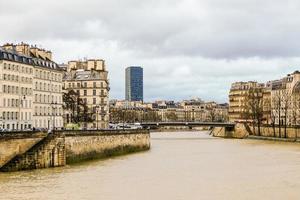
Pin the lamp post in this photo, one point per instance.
(53, 106)
(123, 114)
(193, 114)
(103, 117)
(20, 104)
(97, 113)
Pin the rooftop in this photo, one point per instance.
(14, 56)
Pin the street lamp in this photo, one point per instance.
(123, 112)
(103, 117)
(193, 114)
(53, 106)
(97, 113)
(20, 104)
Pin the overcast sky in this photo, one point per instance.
(188, 48)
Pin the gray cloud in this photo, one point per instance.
(188, 48)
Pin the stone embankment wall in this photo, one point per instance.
(242, 130)
(15, 144)
(26, 151)
(239, 131)
(90, 145)
(48, 152)
(268, 131)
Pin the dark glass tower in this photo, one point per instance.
(134, 84)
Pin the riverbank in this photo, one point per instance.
(36, 151)
(82, 146)
(255, 137)
(181, 165)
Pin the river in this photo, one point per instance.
(179, 166)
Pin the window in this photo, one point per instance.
(94, 100)
(94, 92)
(85, 84)
(94, 84)
(78, 85)
(84, 92)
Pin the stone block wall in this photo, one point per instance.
(268, 131)
(48, 152)
(13, 144)
(91, 145)
(26, 152)
(239, 131)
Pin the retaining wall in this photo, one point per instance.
(26, 151)
(90, 145)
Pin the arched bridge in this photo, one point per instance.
(154, 125)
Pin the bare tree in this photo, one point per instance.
(277, 107)
(171, 116)
(255, 108)
(286, 105)
(212, 114)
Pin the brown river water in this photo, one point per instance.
(179, 166)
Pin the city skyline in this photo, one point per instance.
(201, 49)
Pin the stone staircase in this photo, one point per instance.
(248, 129)
(49, 152)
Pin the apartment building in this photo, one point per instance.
(238, 99)
(279, 100)
(89, 79)
(31, 88)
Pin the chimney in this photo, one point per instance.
(23, 49)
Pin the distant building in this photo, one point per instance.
(89, 79)
(189, 110)
(134, 84)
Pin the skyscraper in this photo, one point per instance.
(134, 83)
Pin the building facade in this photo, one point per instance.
(134, 84)
(31, 87)
(89, 79)
(238, 100)
(278, 101)
(194, 110)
